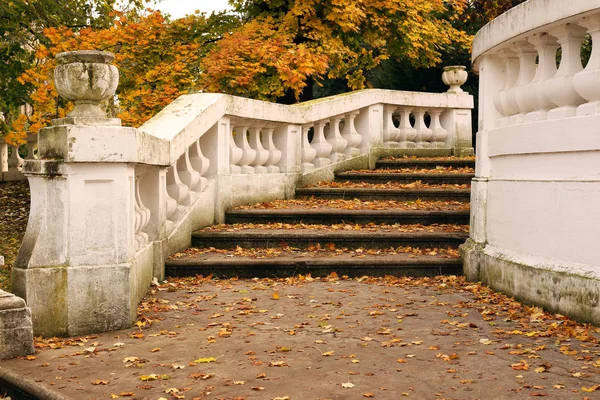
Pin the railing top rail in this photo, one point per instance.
(529, 16)
(181, 121)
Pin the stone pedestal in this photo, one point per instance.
(16, 332)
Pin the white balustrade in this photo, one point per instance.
(308, 152)
(439, 134)
(321, 145)
(187, 174)
(3, 156)
(199, 163)
(527, 69)
(534, 94)
(248, 153)
(142, 218)
(351, 135)
(337, 141)
(424, 134)
(561, 89)
(506, 100)
(587, 82)
(391, 134)
(274, 154)
(262, 154)
(178, 196)
(407, 133)
(235, 155)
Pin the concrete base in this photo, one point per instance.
(566, 288)
(16, 330)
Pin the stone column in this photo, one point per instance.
(77, 268)
(457, 121)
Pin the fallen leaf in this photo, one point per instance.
(347, 385)
(99, 382)
(204, 360)
(368, 394)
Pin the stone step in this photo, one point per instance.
(304, 238)
(425, 163)
(336, 216)
(222, 266)
(384, 194)
(379, 177)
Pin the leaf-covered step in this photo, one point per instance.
(336, 216)
(320, 262)
(378, 176)
(350, 193)
(426, 162)
(344, 235)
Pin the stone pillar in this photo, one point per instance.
(77, 268)
(369, 124)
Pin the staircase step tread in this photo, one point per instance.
(337, 211)
(289, 264)
(422, 161)
(349, 185)
(356, 174)
(290, 258)
(325, 234)
(342, 190)
(358, 205)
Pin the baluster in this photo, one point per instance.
(391, 134)
(248, 153)
(31, 145)
(187, 174)
(15, 162)
(351, 135)
(424, 134)
(262, 155)
(142, 217)
(337, 141)
(308, 152)
(561, 89)
(199, 163)
(546, 47)
(506, 100)
(273, 152)
(235, 155)
(407, 134)
(321, 145)
(438, 139)
(3, 157)
(587, 82)
(171, 202)
(177, 190)
(527, 69)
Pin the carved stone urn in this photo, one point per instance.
(455, 76)
(86, 78)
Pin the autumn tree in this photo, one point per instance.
(159, 60)
(331, 39)
(22, 24)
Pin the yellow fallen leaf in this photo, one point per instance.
(328, 353)
(590, 389)
(205, 360)
(347, 385)
(151, 377)
(355, 361)
(99, 382)
(114, 396)
(239, 382)
(539, 370)
(154, 350)
(275, 296)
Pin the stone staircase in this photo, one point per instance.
(406, 217)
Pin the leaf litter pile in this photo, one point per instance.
(370, 227)
(14, 213)
(325, 338)
(357, 204)
(437, 170)
(387, 185)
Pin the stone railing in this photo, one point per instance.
(534, 213)
(11, 162)
(109, 203)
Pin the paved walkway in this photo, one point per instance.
(330, 338)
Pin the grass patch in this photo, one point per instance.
(14, 213)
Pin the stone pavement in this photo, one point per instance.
(328, 338)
